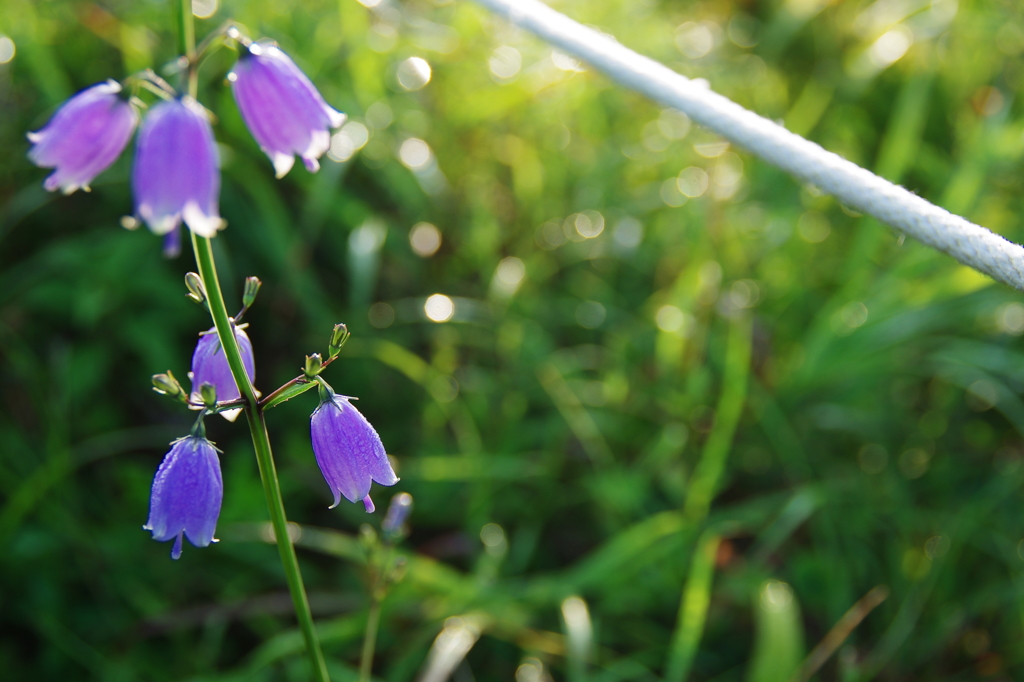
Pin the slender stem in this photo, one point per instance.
(187, 44)
(708, 473)
(370, 640)
(302, 378)
(839, 632)
(212, 37)
(264, 457)
(294, 382)
(693, 609)
(203, 250)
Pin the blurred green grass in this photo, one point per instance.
(879, 439)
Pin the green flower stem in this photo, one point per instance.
(254, 413)
(370, 640)
(187, 43)
(264, 457)
(380, 564)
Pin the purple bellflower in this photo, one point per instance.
(348, 450)
(282, 108)
(187, 492)
(210, 366)
(176, 176)
(84, 137)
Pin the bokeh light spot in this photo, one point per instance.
(415, 153)
(352, 137)
(590, 314)
(414, 73)
(425, 239)
(7, 49)
(204, 9)
(505, 62)
(439, 308)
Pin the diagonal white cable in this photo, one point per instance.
(856, 187)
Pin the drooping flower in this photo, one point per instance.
(348, 450)
(281, 107)
(84, 137)
(187, 492)
(176, 176)
(210, 366)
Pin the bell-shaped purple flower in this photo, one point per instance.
(84, 137)
(282, 108)
(176, 176)
(349, 451)
(210, 366)
(187, 492)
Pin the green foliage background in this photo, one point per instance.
(878, 441)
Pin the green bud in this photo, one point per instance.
(252, 287)
(314, 363)
(196, 291)
(209, 394)
(166, 384)
(339, 335)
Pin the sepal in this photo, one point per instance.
(252, 287)
(166, 384)
(194, 284)
(314, 365)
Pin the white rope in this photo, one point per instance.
(852, 185)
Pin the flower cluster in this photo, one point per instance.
(176, 179)
(176, 176)
(188, 488)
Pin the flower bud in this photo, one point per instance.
(252, 287)
(314, 364)
(196, 290)
(339, 335)
(166, 384)
(208, 392)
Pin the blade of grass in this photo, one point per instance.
(693, 609)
